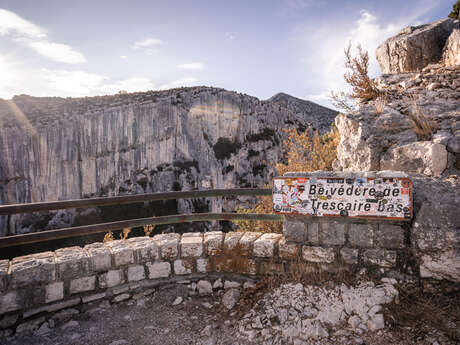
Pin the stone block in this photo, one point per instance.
(31, 325)
(271, 268)
(247, 242)
(4, 265)
(295, 229)
(421, 157)
(11, 301)
(213, 242)
(145, 249)
(380, 257)
(203, 266)
(231, 242)
(136, 273)
(122, 252)
(349, 255)
(224, 264)
(159, 269)
(82, 284)
(332, 233)
(318, 254)
(54, 292)
(287, 250)
(33, 269)
(191, 246)
(389, 236)
(169, 245)
(265, 245)
(313, 233)
(100, 257)
(93, 297)
(246, 265)
(111, 278)
(72, 262)
(182, 267)
(361, 235)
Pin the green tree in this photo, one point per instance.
(455, 10)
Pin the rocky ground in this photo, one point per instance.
(291, 313)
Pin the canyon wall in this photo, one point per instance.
(181, 139)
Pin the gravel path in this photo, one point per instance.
(169, 315)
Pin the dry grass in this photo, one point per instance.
(108, 237)
(148, 229)
(379, 104)
(363, 87)
(426, 311)
(424, 127)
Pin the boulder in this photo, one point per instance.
(451, 52)
(423, 157)
(435, 234)
(414, 47)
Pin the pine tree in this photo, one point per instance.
(455, 14)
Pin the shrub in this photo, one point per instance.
(424, 127)
(307, 151)
(363, 87)
(455, 13)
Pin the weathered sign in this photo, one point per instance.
(359, 197)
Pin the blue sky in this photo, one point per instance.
(259, 47)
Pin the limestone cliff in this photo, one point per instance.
(180, 139)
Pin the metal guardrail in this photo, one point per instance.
(128, 199)
(17, 240)
(76, 231)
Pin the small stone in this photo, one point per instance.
(230, 298)
(44, 329)
(204, 287)
(231, 284)
(121, 297)
(178, 300)
(217, 284)
(70, 324)
(376, 322)
(207, 331)
(207, 305)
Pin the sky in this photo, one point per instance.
(258, 47)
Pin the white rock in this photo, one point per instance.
(70, 324)
(204, 287)
(230, 298)
(178, 300)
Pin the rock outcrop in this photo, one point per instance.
(418, 130)
(414, 47)
(180, 139)
(451, 52)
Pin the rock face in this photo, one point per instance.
(451, 53)
(181, 139)
(392, 140)
(414, 47)
(435, 234)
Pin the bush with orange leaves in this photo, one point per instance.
(307, 151)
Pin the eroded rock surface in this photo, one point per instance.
(414, 47)
(451, 53)
(389, 139)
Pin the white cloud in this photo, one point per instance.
(324, 52)
(147, 43)
(179, 83)
(191, 66)
(12, 24)
(26, 32)
(58, 52)
(71, 83)
(124, 57)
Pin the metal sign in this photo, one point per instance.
(388, 198)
